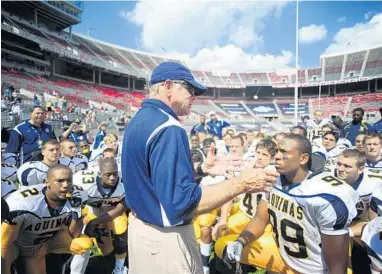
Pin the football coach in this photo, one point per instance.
(159, 178)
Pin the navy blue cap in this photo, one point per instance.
(175, 71)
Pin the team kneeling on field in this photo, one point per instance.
(78, 208)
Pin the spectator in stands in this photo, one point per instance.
(49, 106)
(27, 137)
(318, 121)
(216, 125)
(201, 126)
(16, 108)
(378, 125)
(77, 132)
(355, 127)
(100, 135)
(36, 101)
(5, 102)
(8, 91)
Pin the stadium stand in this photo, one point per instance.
(333, 68)
(374, 62)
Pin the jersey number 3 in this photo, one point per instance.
(297, 238)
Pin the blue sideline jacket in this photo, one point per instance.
(156, 167)
(350, 131)
(25, 139)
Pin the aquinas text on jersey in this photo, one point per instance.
(286, 206)
(48, 224)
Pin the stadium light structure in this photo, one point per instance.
(296, 82)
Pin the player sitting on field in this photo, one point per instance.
(373, 147)
(33, 173)
(265, 151)
(42, 220)
(70, 158)
(106, 209)
(309, 214)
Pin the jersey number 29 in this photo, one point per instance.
(297, 239)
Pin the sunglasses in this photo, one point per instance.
(186, 85)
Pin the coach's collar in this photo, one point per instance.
(159, 104)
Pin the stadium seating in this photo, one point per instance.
(333, 68)
(330, 105)
(354, 64)
(374, 63)
(369, 102)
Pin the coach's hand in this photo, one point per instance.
(214, 165)
(257, 180)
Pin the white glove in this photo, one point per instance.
(234, 251)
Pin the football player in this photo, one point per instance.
(33, 173)
(309, 214)
(105, 208)
(351, 169)
(330, 143)
(42, 220)
(265, 151)
(371, 232)
(373, 146)
(7, 187)
(70, 157)
(9, 172)
(360, 142)
(110, 141)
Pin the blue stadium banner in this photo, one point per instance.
(233, 108)
(262, 109)
(288, 109)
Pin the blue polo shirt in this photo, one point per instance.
(378, 127)
(25, 139)
(157, 172)
(217, 127)
(350, 131)
(201, 127)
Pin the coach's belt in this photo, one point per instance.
(185, 222)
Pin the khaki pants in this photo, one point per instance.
(170, 250)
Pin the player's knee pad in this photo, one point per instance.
(80, 245)
(208, 219)
(197, 230)
(119, 224)
(120, 243)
